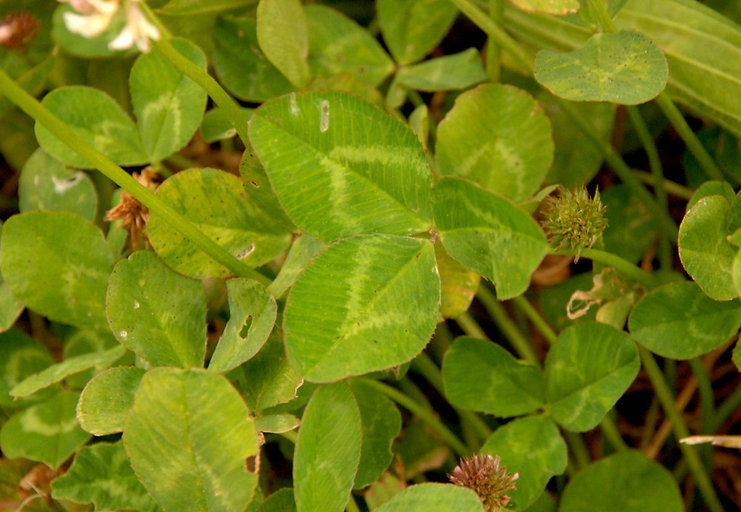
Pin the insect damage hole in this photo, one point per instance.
(252, 464)
(62, 185)
(246, 251)
(246, 326)
(324, 116)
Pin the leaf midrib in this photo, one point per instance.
(362, 176)
(381, 291)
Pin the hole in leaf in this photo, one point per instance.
(245, 331)
(324, 119)
(64, 184)
(252, 464)
(246, 251)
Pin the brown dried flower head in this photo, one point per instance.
(18, 29)
(132, 214)
(484, 475)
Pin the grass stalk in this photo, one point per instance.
(105, 165)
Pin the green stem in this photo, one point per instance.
(351, 505)
(705, 388)
(441, 341)
(145, 196)
(411, 390)
(181, 162)
(623, 171)
(671, 187)
(400, 398)
(163, 30)
(666, 261)
(654, 162)
(666, 398)
(707, 406)
(729, 406)
(161, 170)
(724, 411)
(425, 366)
(649, 423)
(536, 318)
(688, 136)
(493, 50)
(612, 434)
(670, 375)
(518, 340)
(618, 263)
(652, 153)
(466, 322)
(578, 449)
(217, 93)
(599, 10)
(415, 97)
(490, 27)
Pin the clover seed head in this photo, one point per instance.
(487, 478)
(573, 220)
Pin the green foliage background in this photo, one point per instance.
(340, 281)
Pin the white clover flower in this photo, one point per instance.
(96, 16)
(137, 31)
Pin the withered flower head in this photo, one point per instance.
(132, 214)
(484, 475)
(573, 220)
(18, 29)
